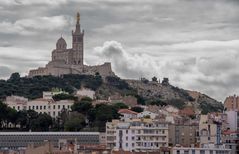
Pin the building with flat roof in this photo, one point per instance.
(207, 149)
(18, 140)
(232, 103)
(136, 135)
(40, 105)
(183, 134)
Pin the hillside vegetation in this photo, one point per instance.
(146, 92)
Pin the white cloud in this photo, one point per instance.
(44, 23)
(196, 47)
(11, 28)
(203, 72)
(32, 2)
(34, 25)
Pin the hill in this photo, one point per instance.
(146, 92)
(164, 93)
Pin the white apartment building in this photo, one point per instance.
(232, 119)
(40, 105)
(147, 113)
(49, 106)
(136, 135)
(127, 114)
(207, 149)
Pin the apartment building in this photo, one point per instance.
(49, 106)
(40, 105)
(211, 127)
(18, 140)
(231, 136)
(232, 103)
(183, 134)
(208, 132)
(206, 149)
(136, 135)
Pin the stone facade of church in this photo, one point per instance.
(70, 61)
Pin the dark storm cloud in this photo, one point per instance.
(194, 43)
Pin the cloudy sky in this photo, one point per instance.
(195, 43)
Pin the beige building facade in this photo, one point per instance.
(184, 135)
(232, 103)
(40, 105)
(71, 61)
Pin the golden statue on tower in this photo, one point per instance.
(78, 17)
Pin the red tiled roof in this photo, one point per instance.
(228, 132)
(187, 111)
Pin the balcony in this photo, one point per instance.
(153, 134)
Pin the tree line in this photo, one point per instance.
(33, 87)
(82, 117)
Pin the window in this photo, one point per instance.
(132, 144)
(54, 113)
(126, 138)
(193, 151)
(33, 107)
(18, 107)
(211, 152)
(63, 106)
(132, 137)
(178, 152)
(202, 151)
(59, 106)
(54, 107)
(120, 145)
(186, 152)
(126, 144)
(49, 107)
(68, 106)
(40, 107)
(44, 107)
(29, 107)
(126, 131)
(37, 107)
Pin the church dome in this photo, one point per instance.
(61, 43)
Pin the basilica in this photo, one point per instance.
(70, 61)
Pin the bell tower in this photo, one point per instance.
(77, 43)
